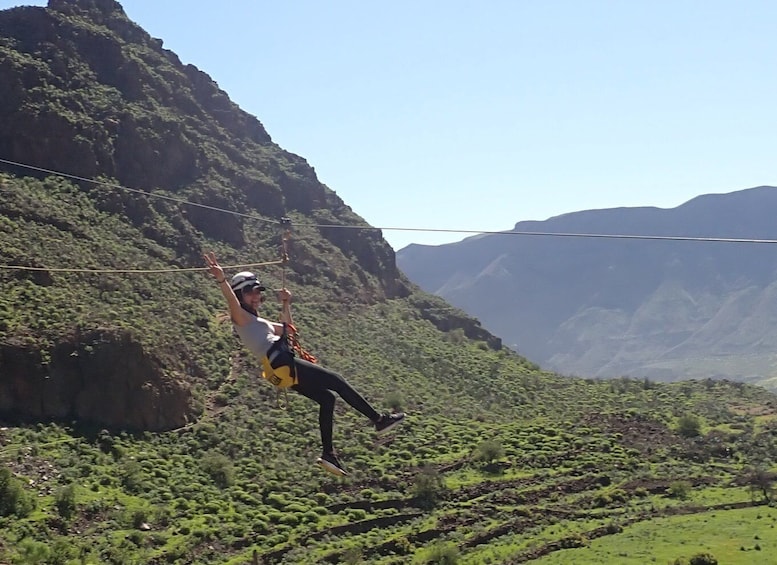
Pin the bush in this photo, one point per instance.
(428, 487)
(689, 426)
(394, 401)
(443, 554)
(61, 552)
(489, 451)
(219, 468)
(65, 501)
(641, 492)
(13, 499)
(132, 476)
(138, 517)
(356, 514)
(352, 556)
(703, 559)
(679, 490)
(31, 551)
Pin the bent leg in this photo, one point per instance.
(326, 410)
(313, 376)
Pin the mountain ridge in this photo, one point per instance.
(565, 286)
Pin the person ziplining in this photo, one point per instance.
(268, 341)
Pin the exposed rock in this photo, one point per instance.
(609, 307)
(446, 319)
(103, 377)
(86, 92)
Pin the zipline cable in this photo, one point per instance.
(554, 234)
(408, 229)
(136, 271)
(138, 191)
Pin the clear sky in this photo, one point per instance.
(476, 115)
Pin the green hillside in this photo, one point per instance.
(133, 425)
(498, 462)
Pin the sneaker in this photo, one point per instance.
(388, 422)
(330, 462)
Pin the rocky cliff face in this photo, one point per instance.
(86, 92)
(104, 377)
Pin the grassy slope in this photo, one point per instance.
(571, 456)
(735, 537)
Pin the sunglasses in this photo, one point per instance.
(253, 290)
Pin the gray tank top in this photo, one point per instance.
(258, 336)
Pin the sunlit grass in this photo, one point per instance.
(730, 535)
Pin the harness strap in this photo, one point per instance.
(273, 355)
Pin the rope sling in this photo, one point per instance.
(290, 333)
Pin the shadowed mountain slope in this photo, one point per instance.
(609, 307)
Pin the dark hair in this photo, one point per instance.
(243, 305)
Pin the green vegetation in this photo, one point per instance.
(497, 462)
(736, 537)
(242, 480)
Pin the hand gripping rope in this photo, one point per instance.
(289, 330)
(292, 330)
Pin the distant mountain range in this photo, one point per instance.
(608, 307)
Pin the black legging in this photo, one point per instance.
(317, 383)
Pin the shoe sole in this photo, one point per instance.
(334, 469)
(390, 427)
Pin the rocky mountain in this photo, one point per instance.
(137, 157)
(600, 307)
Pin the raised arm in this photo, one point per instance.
(236, 312)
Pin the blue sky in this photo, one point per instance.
(477, 115)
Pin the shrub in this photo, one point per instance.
(443, 554)
(290, 519)
(428, 487)
(352, 556)
(641, 492)
(311, 517)
(132, 476)
(31, 551)
(403, 545)
(219, 468)
(394, 401)
(65, 501)
(356, 514)
(703, 559)
(61, 552)
(689, 426)
(138, 517)
(679, 490)
(13, 499)
(489, 451)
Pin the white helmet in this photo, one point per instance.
(245, 280)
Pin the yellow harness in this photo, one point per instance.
(278, 365)
(282, 376)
